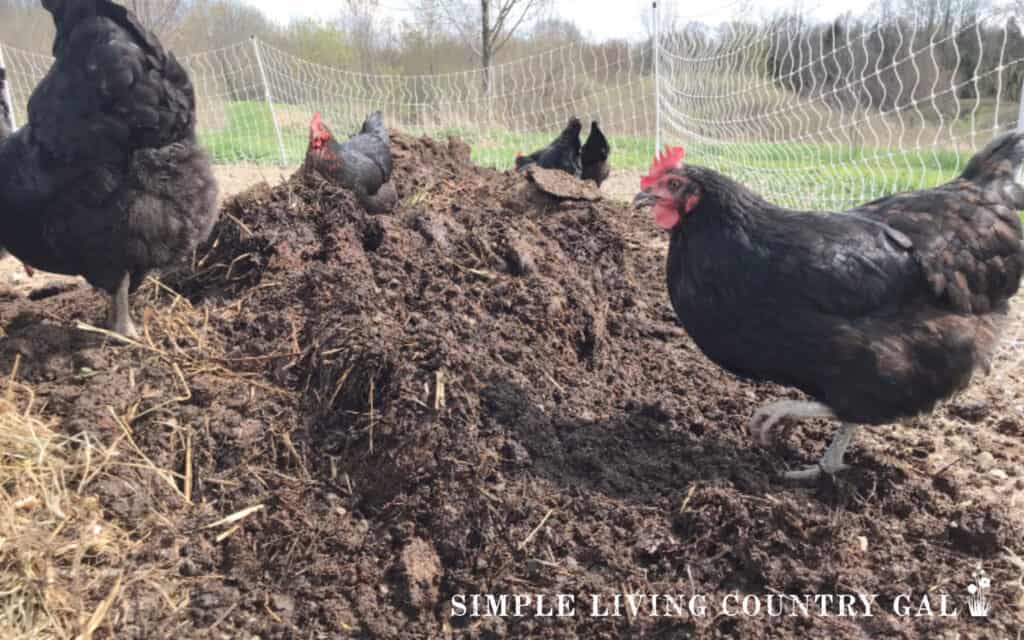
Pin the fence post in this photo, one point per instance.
(1020, 114)
(7, 91)
(270, 100)
(657, 76)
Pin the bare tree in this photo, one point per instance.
(941, 16)
(429, 17)
(668, 19)
(163, 17)
(366, 32)
(496, 21)
(212, 24)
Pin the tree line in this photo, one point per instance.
(902, 55)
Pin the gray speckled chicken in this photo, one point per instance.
(361, 164)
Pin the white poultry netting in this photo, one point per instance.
(255, 101)
(810, 113)
(828, 115)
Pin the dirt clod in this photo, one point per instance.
(420, 573)
(561, 185)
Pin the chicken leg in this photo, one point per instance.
(120, 317)
(766, 418)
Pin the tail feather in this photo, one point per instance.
(571, 133)
(596, 148)
(997, 167)
(374, 123)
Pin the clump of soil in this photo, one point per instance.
(482, 392)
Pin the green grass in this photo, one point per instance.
(814, 176)
(828, 176)
(818, 176)
(247, 135)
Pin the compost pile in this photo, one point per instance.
(484, 391)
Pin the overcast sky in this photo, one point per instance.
(597, 20)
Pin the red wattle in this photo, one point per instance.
(666, 217)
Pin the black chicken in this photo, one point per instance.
(594, 156)
(361, 164)
(106, 179)
(877, 314)
(563, 153)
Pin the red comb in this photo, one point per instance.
(318, 131)
(668, 159)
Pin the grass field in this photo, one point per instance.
(819, 176)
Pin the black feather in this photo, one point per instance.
(563, 153)
(594, 156)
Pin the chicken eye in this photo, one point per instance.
(674, 183)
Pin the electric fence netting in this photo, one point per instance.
(829, 115)
(811, 113)
(255, 101)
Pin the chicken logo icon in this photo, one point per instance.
(977, 602)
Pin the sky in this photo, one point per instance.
(597, 21)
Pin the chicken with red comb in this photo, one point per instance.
(361, 164)
(877, 314)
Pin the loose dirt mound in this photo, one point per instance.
(484, 392)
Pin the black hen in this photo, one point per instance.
(563, 153)
(877, 314)
(361, 164)
(106, 179)
(594, 156)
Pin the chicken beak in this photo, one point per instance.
(644, 199)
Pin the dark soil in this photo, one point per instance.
(483, 392)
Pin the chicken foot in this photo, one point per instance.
(832, 460)
(120, 316)
(768, 417)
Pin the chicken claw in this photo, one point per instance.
(832, 460)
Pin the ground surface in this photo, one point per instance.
(485, 392)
